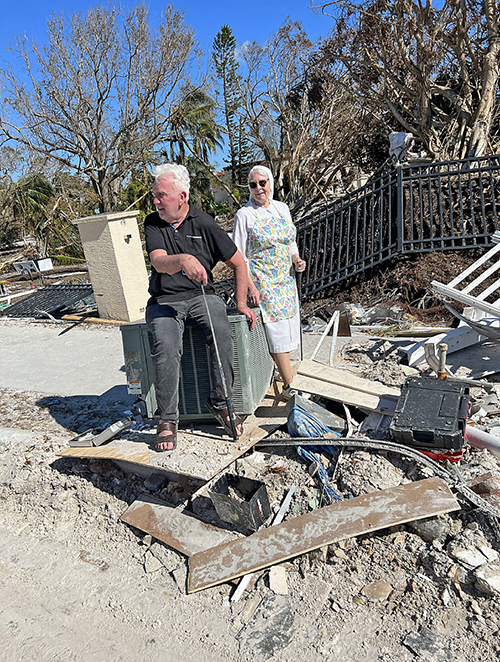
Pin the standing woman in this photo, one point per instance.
(265, 234)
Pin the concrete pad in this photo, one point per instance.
(62, 358)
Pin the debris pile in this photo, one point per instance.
(405, 552)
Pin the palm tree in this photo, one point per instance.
(194, 127)
(42, 212)
(30, 200)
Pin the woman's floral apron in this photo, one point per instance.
(269, 262)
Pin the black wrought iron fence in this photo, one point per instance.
(413, 208)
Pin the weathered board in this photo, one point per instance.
(345, 378)
(177, 529)
(364, 514)
(383, 404)
(200, 454)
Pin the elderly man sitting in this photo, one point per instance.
(184, 245)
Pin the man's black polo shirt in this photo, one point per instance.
(197, 235)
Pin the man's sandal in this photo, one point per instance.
(222, 416)
(161, 439)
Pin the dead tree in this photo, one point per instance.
(97, 98)
(435, 70)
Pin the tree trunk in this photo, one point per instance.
(490, 72)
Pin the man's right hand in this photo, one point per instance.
(192, 268)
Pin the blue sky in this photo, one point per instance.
(248, 20)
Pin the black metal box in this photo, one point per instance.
(240, 500)
(431, 414)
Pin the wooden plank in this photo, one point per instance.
(382, 404)
(94, 320)
(353, 517)
(200, 454)
(177, 529)
(345, 378)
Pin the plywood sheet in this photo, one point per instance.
(345, 378)
(177, 529)
(201, 453)
(325, 526)
(380, 403)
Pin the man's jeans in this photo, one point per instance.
(167, 326)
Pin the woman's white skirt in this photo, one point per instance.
(283, 335)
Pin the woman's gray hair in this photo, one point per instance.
(179, 174)
(263, 171)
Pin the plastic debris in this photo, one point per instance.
(302, 423)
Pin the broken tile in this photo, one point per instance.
(180, 577)
(472, 557)
(270, 629)
(249, 607)
(490, 553)
(427, 645)
(277, 580)
(151, 563)
(488, 578)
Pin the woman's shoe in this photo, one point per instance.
(288, 393)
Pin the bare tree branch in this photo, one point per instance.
(98, 97)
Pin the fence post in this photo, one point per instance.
(400, 210)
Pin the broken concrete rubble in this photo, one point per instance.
(322, 588)
(277, 580)
(488, 578)
(488, 486)
(269, 630)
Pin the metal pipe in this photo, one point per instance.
(481, 439)
(298, 283)
(442, 349)
(221, 370)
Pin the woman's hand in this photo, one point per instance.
(253, 295)
(298, 263)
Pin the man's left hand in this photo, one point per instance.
(249, 314)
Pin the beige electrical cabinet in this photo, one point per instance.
(117, 270)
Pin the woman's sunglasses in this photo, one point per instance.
(261, 183)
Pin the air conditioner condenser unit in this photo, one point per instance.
(253, 368)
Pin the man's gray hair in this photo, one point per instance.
(179, 174)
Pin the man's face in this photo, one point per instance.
(167, 199)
